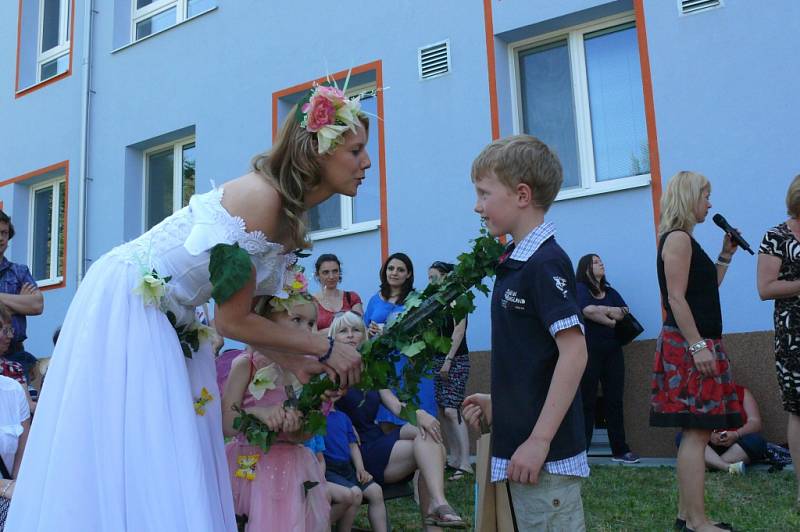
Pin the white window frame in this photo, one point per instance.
(64, 37)
(54, 183)
(177, 174)
(158, 7)
(347, 225)
(588, 185)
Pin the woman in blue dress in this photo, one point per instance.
(397, 282)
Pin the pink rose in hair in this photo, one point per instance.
(331, 93)
(321, 113)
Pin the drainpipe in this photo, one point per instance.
(83, 178)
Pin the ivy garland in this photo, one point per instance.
(415, 334)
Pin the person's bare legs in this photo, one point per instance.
(691, 479)
(457, 438)
(376, 511)
(342, 503)
(734, 454)
(714, 461)
(793, 435)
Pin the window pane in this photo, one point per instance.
(143, 3)
(198, 6)
(42, 216)
(614, 79)
(62, 211)
(326, 215)
(366, 204)
(188, 174)
(547, 103)
(159, 186)
(51, 22)
(155, 23)
(55, 67)
(69, 14)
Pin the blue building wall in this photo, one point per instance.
(724, 84)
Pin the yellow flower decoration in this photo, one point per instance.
(265, 379)
(202, 401)
(247, 466)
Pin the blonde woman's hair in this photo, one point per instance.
(522, 159)
(793, 198)
(348, 319)
(292, 167)
(679, 201)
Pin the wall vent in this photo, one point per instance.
(687, 7)
(434, 60)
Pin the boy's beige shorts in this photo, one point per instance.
(554, 504)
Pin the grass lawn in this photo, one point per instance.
(626, 498)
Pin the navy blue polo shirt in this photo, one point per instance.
(530, 299)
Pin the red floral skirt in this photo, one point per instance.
(681, 396)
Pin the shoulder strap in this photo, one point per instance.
(347, 298)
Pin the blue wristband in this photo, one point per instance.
(327, 355)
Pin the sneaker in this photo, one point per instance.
(628, 458)
(736, 468)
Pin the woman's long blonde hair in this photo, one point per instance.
(679, 201)
(292, 166)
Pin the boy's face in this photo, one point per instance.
(496, 204)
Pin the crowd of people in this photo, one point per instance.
(136, 430)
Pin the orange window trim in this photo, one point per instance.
(20, 93)
(374, 66)
(24, 177)
(649, 113)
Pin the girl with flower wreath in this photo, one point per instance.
(128, 432)
(284, 488)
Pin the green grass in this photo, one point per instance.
(634, 499)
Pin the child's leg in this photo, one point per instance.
(457, 438)
(345, 523)
(715, 461)
(341, 500)
(553, 504)
(377, 509)
(734, 454)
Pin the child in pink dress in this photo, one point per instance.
(284, 488)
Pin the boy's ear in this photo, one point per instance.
(524, 195)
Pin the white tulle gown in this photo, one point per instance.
(116, 442)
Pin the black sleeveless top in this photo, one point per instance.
(702, 292)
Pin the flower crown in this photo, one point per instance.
(295, 289)
(328, 113)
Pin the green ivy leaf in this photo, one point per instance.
(229, 270)
(409, 413)
(413, 349)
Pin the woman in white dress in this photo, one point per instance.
(128, 432)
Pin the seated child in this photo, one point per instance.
(271, 491)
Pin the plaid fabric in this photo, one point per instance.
(566, 323)
(12, 277)
(528, 245)
(575, 466)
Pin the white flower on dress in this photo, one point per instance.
(264, 379)
(152, 288)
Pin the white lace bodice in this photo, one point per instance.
(180, 247)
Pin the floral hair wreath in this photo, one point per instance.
(327, 112)
(293, 292)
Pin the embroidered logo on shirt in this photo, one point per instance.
(561, 285)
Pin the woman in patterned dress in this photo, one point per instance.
(779, 279)
(692, 386)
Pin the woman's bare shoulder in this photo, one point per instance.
(254, 199)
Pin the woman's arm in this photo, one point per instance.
(390, 401)
(235, 319)
(459, 331)
(753, 415)
(23, 440)
(358, 308)
(599, 314)
(677, 256)
(235, 387)
(769, 287)
(729, 247)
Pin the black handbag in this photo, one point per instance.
(627, 329)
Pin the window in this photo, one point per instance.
(342, 214)
(168, 180)
(580, 91)
(152, 16)
(47, 217)
(54, 38)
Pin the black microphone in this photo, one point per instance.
(723, 224)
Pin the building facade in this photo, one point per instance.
(113, 112)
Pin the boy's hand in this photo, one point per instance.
(476, 407)
(527, 461)
(362, 476)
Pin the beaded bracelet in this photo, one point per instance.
(697, 347)
(327, 355)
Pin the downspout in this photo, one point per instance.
(86, 62)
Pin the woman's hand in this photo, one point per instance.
(477, 407)
(429, 426)
(374, 329)
(704, 362)
(363, 476)
(728, 438)
(729, 246)
(346, 362)
(272, 416)
(444, 372)
(302, 366)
